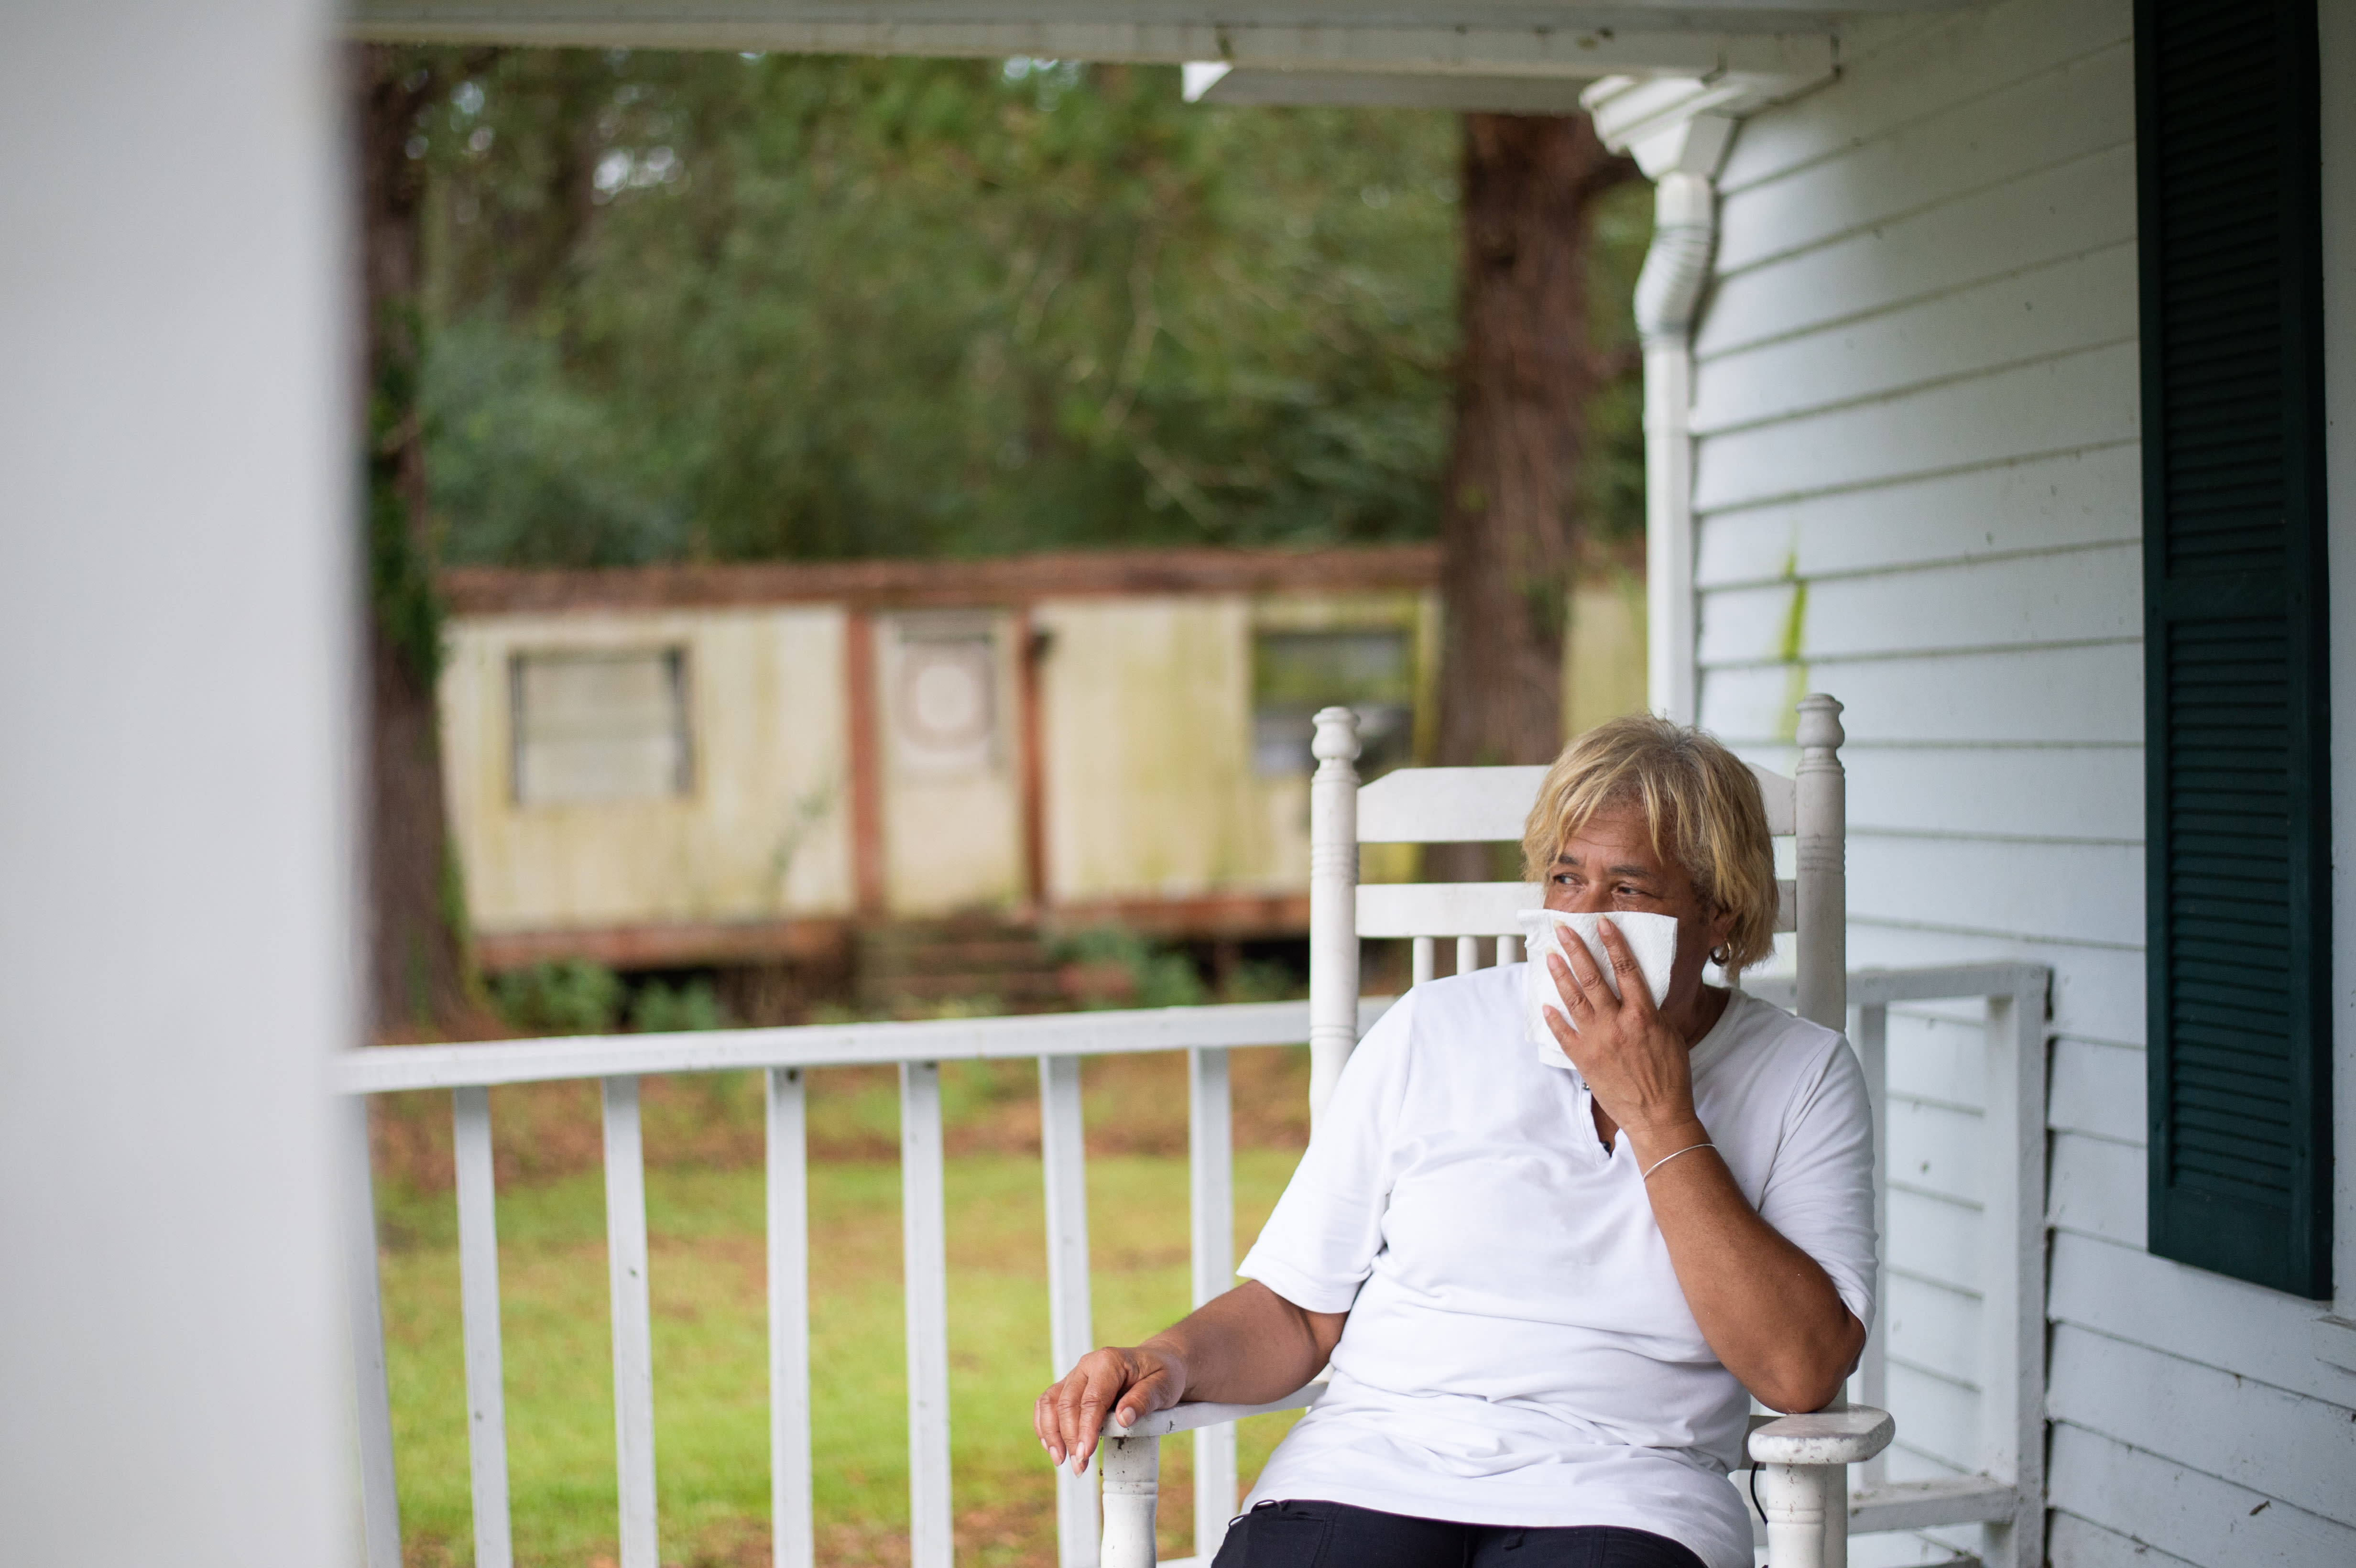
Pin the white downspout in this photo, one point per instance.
(1680, 146)
(1669, 293)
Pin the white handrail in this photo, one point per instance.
(1058, 1040)
(386, 1069)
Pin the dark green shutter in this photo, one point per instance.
(2235, 627)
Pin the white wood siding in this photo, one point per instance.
(1917, 488)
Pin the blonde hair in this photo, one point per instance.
(1701, 805)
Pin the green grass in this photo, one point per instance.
(707, 1284)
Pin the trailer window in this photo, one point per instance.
(595, 725)
(942, 695)
(1294, 673)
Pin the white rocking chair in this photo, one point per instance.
(1801, 1460)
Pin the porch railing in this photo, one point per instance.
(1059, 1042)
(2005, 1498)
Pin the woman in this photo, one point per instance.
(1544, 1287)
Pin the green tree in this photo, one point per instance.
(819, 307)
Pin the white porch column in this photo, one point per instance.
(176, 859)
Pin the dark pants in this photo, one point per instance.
(1335, 1535)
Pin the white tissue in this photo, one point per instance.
(1653, 938)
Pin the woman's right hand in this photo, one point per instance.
(1110, 1385)
(1247, 1346)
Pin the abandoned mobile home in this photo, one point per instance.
(738, 765)
(2000, 356)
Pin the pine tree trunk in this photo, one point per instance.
(419, 982)
(1509, 528)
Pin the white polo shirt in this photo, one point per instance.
(1518, 1350)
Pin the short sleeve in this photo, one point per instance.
(1819, 1192)
(1319, 1245)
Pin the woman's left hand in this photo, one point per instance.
(1635, 1065)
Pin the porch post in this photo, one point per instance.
(176, 610)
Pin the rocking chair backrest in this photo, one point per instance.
(1446, 805)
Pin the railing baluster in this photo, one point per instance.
(1210, 1149)
(924, 1270)
(372, 1411)
(792, 1527)
(1071, 1324)
(1468, 954)
(478, 1296)
(1509, 951)
(1873, 1367)
(634, 1368)
(1427, 959)
(2012, 1272)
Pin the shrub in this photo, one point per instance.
(659, 1009)
(559, 996)
(1161, 976)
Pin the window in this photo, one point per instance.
(1294, 673)
(592, 725)
(944, 694)
(2236, 739)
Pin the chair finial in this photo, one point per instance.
(1337, 735)
(1820, 725)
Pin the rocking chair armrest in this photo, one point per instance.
(1826, 1437)
(1187, 1417)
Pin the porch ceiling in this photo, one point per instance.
(1580, 39)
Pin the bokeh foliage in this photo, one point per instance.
(725, 307)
